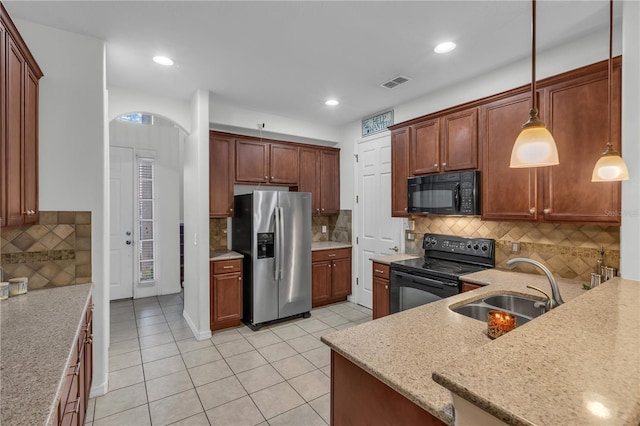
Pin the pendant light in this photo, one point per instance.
(534, 146)
(610, 167)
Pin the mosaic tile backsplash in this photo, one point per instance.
(569, 251)
(338, 229)
(54, 252)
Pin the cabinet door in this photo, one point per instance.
(577, 117)
(329, 182)
(320, 282)
(341, 277)
(308, 176)
(380, 297)
(460, 141)
(425, 147)
(30, 152)
(399, 171)
(3, 184)
(468, 286)
(252, 161)
(15, 65)
(500, 123)
(221, 174)
(226, 294)
(284, 164)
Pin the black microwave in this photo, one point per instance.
(445, 194)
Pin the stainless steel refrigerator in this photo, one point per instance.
(272, 229)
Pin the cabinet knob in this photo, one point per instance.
(435, 165)
(239, 278)
(532, 210)
(266, 177)
(386, 287)
(271, 177)
(230, 210)
(405, 209)
(444, 164)
(329, 266)
(546, 211)
(322, 209)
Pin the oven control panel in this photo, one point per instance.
(477, 247)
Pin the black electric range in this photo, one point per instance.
(415, 282)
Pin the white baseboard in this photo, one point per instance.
(199, 335)
(99, 389)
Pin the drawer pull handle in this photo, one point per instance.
(379, 271)
(227, 267)
(332, 255)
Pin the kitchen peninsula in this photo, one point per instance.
(593, 332)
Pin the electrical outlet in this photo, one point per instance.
(515, 247)
(324, 229)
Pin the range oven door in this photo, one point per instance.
(408, 290)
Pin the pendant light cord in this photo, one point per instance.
(609, 75)
(534, 103)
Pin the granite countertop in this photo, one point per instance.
(328, 245)
(38, 332)
(393, 258)
(215, 255)
(404, 349)
(578, 364)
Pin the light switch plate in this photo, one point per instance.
(324, 229)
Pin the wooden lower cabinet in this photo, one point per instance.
(225, 293)
(468, 286)
(330, 276)
(358, 398)
(74, 397)
(380, 290)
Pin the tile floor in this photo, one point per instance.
(159, 374)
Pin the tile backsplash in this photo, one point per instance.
(54, 252)
(569, 251)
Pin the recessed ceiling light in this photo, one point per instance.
(332, 102)
(445, 47)
(162, 60)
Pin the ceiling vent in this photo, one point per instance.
(396, 81)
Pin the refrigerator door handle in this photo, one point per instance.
(281, 231)
(278, 244)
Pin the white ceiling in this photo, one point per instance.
(287, 58)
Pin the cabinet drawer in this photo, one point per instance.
(323, 255)
(381, 270)
(227, 266)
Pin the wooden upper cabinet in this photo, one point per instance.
(3, 186)
(221, 172)
(576, 115)
(329, 182)
(308, 176)
(500, 124)
(425, 147)
(399, 171)
(30, 153)
(460, 141)
(283, 164)
(252, 161)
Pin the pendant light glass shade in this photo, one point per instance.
(535, 146)
(610, 167)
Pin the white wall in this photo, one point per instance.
(163, 142)
(196, 218)
(72, 152)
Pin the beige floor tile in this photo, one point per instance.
(234, 348)
(312, 325)
(175, 317)
(334, 319)
(146, 321)
(277, 352)
(125, 360)
(162, 367)
(293, 366)
(260, 378)
(175, 407)
(319, 357)
(226, 336)
(326, 370)
(209, 372)
(343, 326)
(149, 330)
(155, 353)
(120, 400)
(264, 339)
(289, 332)
(182, 333)
(170, 384)
(220, 392)
(238, 413)
(245, 361)
(322, 406)
(91, 406)
(339, 307)
(354, 315)
(148, 311)
(120, 317)
(124, 346)
(122, 324)
(170, 299)
(156, 340)
(192, 344)
(305, 343)
(197, 420)
(173, 309)
(201, 356)
(125, 377)
(311, 385)
(145, 301)
(138, 416)
(124, 334)
(276, 400)
(318, 334)
(302, 415)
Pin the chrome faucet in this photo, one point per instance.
(555, 299)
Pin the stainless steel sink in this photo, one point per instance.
(523, 308)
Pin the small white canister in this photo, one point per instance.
(4, 291)
(18, 286)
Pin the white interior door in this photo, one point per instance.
(378, 233)
(121, 238)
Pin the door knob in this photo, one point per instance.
(128, 242)
(394, 248)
